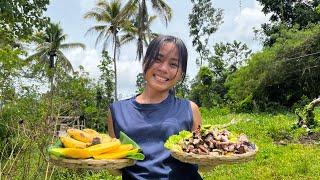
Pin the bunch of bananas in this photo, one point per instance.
(88, 143)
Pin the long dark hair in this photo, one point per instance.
(154, 48)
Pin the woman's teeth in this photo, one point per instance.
(161, 79)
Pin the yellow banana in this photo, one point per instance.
(90, 131)
(115, 155)
(103, 148)
(105, 138)
(69, 142)
(71, 152)
(123, 147)
(83, 136)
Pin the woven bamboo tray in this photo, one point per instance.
(111, 164)
(207, 162)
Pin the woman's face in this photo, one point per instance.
(166, 71)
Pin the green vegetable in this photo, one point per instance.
(173, 141)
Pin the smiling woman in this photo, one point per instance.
(151, 117)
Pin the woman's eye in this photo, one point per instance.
(158, 60)
(174, 65)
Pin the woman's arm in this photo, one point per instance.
(110, 125)
(196, 116)
(114, 172)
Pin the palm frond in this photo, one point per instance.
(93, 15)
(64, 61)
(72, 46)
(163, 9)
(95, 29)
(37, 56)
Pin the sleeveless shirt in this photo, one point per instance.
(150, 125)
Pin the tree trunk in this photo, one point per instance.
(143, 16)
(310, 121)
(51, 82)
(115, 65)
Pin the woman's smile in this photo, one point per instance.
(160, 78)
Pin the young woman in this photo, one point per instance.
(152, 116)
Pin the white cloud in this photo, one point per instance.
(127, 74)
(127, 67)
(247, 19)
(88, 58)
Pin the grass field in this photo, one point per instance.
(289, 160)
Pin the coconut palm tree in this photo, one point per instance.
(49, 47)
(132, 33)
(112, 19)
(160, 6)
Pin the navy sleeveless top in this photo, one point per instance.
(150, 125)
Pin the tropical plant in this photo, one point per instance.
(140, 83)
(203, 89)
(49, 46)
(281, 74)
(288, 13)
(105, 89)
(132, 34)
(203, 21)
(112, 19)
(11, 66)
(19, 18)
(162, 9)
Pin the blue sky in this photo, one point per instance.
(238, 24)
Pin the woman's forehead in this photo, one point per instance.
(169, 49)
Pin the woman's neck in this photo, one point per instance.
(151, 97)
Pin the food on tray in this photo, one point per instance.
(70, 153)
(210, 140)
(88, 143)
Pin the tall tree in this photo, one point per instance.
(132, 34)
(288, 13)
(106, 79)
(50, 44)
(19, 18)
(203, 21)
(112, 18)
(162, 9)
(228, 57)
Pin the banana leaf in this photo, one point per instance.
(124, 139)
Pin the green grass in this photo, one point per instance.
(291, 161)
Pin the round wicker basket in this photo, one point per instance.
(207, 162)
(111, 164)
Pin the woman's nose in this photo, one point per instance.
(163, 67)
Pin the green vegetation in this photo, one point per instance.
(253, 93)
(273, 161)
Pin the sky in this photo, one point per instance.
(238, 23)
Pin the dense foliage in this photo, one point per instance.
(19, 18)
(288, 13)
(281, 74)
(204, 20)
